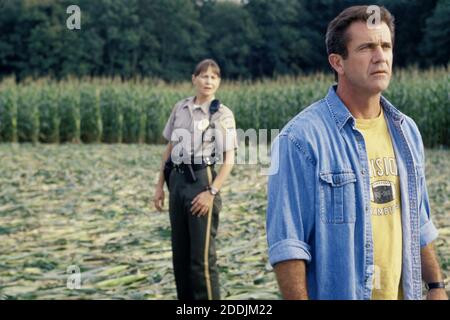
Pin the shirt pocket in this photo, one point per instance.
(182, 132)
(182, 123)
(337, 197)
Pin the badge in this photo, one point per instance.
(203, 124)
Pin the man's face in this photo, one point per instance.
(368, 66)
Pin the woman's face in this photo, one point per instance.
(206, 83)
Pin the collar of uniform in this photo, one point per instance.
(204, 107)
(189, 102)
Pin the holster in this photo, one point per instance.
(189, 173)
(168, 167)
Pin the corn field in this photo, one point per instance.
(135, 111)
(89, 206)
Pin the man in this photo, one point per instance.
(354, 220)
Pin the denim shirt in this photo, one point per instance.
(319, 200)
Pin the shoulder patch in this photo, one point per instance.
(227, 123)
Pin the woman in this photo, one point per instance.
(201, 132)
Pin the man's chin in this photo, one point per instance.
(379, 86)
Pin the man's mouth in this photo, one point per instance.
(379, 72)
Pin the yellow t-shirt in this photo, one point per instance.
(385, 207)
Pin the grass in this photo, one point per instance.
(90, 206)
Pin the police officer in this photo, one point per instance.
(201, 132)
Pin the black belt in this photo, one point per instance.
(195, 166)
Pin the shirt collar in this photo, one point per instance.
(392, 111)
(190, 104)
(341, 114)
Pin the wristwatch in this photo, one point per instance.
(213, 190)
(435, 285)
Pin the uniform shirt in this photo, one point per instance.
(385, 207)
(318, 206)
(189, 124)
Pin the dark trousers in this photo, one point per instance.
(193, 238)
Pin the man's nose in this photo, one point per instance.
(379, 55)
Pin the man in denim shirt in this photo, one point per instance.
(352, 220)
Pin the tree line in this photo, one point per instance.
(164, 38)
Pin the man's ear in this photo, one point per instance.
(193, 78)
(336, 61)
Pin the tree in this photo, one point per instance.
(435, 47)
(231, 36)
(165, 38)
(284, 48)
(117, 23)
(177, 34)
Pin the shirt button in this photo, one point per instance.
(367, 245)
(363, 172)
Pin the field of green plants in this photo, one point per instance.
(89, 205)
(109, 110)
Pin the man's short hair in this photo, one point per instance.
(337, 37)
